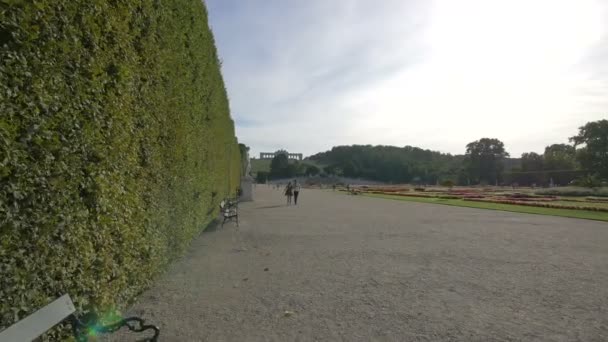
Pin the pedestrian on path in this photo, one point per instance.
(296, 191)
(289, 192)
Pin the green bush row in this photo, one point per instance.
(116, 145)
(574, 191)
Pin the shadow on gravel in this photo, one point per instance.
(214, 226)
(271, 206)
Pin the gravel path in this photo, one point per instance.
(350, 268)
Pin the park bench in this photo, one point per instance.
(229, 209)
(63, 310)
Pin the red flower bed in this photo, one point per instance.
(541, 205)
(531, 199)
(395, 190)
(387, 189)
(466, 193)
(596, 200)
(520, 195)
(473, 196)
(413, 195)
(398, 194)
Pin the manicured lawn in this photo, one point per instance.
(582, 214)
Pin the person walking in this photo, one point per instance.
(296, 191)
(289, 192)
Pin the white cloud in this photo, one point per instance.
(314, 74)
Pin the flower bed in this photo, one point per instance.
(530, 199)
(542, 202)
(533, 204)
(411, 195)
(387, 189)
(596, 200)
(473, 196)
(399, 194)
(464, 192)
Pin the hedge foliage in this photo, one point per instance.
(116, 145)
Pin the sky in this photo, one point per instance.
(437, 74)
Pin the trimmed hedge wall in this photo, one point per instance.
(116, 145)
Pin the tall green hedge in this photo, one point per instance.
(116, 145)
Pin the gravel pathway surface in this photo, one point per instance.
(351, 268)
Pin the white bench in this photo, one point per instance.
(62, 309)
(41, 321)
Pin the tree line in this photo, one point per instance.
(584, 161)
(281, 167)
(485, 161)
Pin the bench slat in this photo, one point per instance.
(40, 321)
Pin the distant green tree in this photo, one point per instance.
(531, 170)
(594, 155)
(312, 170)
(279, 166)
(589, 181)
(484, 160)
(261, 177)
(531, 161)
(560, 157)
(293, 169)
(447, 183)
(389, 163)
(329, 170)
(559, 163)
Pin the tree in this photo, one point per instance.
(390, 163)
(484, 160)
(594, 155)
(560, 157)
(530, 172)
(531, 161)
(589, 181)
(293, 169)
(312, 170)
(447, 183)
(560, 164)
(261, 177)
(328, 170)
(279, 166)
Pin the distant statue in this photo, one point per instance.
(248, 167)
